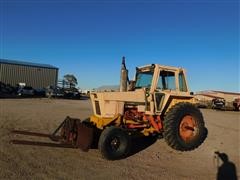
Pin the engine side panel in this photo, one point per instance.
(110, 104)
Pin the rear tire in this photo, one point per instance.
(184, 128)
(114, 143)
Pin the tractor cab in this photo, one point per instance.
(161, 78)
(162, 85)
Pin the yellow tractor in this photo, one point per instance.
(156, 103)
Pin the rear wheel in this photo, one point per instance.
(114, 143)
(184, 128)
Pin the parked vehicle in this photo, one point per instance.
(218, 103)
(54, 91)
(25, 91)
(236, 104)
(6, 90)
(72, 93)
(40, 92)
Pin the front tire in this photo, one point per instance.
(114, 143)
(184, 128)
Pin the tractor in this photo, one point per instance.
(156, 103)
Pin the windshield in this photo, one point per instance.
(144, 79)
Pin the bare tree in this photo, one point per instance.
(71, 80)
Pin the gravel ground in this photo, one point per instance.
(149, 159)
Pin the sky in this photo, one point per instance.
(89, 38)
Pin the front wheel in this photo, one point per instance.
(184, 128)
(114, 143)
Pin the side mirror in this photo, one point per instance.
(191, 93)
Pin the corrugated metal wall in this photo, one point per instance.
(37, 77)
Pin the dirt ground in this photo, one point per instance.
(149, 159)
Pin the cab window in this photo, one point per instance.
(167, 80)
(182, 82)
(144, 79)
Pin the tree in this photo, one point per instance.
(71, 80)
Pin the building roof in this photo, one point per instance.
(24, 63)
(215, 92)
(208, 95)
(224, 92)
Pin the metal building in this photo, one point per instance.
(32, 74)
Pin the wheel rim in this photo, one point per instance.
(188, 128)
(115, 143)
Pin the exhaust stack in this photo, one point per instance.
(124, 76)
